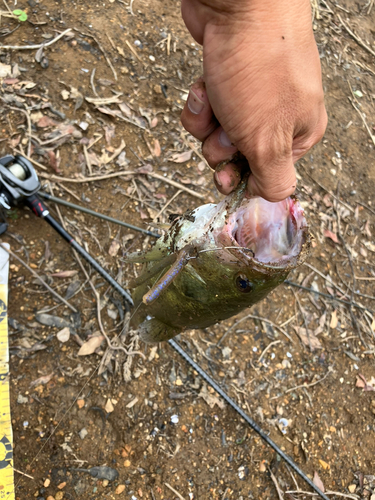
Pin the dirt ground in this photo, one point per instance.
(150, 417)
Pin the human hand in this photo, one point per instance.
(261, 93)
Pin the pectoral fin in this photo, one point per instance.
(153, 331)
(150, 272)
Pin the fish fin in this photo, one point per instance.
(152, 255)
(153, 331)
(159, 266)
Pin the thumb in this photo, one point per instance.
(274, 180)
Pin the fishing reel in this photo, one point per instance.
(18, 180)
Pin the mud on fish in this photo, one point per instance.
(215, 261)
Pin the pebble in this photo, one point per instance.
(105, 483)
(22, 400)
(50, 498)
(61, 485)
(47, 482)
(120, 488)
(59, 495)
(352, 488)
(83, 433)
(174, 419)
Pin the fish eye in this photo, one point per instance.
(243, 284)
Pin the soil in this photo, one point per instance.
(157, 428)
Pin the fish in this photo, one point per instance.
(216, 260)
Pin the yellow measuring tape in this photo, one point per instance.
(6, 435)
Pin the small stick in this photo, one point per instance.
(92, 82)
(302, 386)
(354, 497)
(363, 119)
(102, 51)
(134, 52)
(123, 173)
(266, 349)
(251, 316)
(174, 491)
(32, 47)
(34, 273)
(23, 473)
(87, 159)
(278, 489)
(356, 37)
(28, 125)
(34, 162)
(69, 191)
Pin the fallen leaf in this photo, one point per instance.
(369, 245)
(64, 274)
(334, 321)
(42, 380)
(63, 335)
(91, 345)
(317, 481)
(46, 121)
(331, 235)
(181, 157)
(308, 340)
(210, 399)
(157, 148)
(362, 383)
(114, 248)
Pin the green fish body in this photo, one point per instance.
(215, 261)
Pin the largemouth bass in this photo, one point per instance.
(215, 261)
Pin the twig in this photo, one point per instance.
(356, 37)
(31, 160)
(363, 120)
(32, 47)
(251, 316)
(266, 349)
(134, 52)
(87, 159)
(101, 49)
(28, 126)
(92, 82)
(278, 489)
(97, 296)
(7, 6)
(23, 473)
(302, 386)
(34, 273)
(123, 173)
(354, 497)
(174, 491)
(330, 193)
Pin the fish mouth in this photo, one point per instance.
(274, 233)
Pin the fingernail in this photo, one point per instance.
(194, 103)
(217, 180)
(224, 140)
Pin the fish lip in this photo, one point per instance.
(288, 262)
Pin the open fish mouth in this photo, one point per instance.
(274, 232)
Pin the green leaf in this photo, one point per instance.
(21, 14)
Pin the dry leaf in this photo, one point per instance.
(42, 380)
(369, 245)
(46, 121)
(334, 321)
(64, 274)
(211, 399)
(114, 248)
(157, 148)
(331, 235)
(362, 383)
(318, 482)
(91, 345)
(309, 340)
(64, 334)
(181, 157)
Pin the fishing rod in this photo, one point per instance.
(19, 184)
